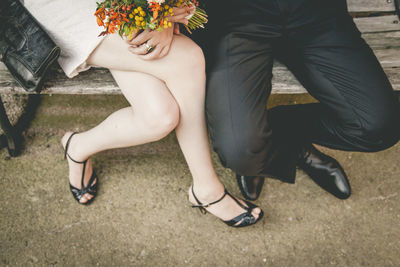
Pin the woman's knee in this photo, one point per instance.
(187, 72)
(196, 59)
(188, 56)
(161, 118)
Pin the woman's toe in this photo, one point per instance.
(256, 212)
(83, 200)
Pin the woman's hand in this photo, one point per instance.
(181, 14)
(150, 45)
(177, 30)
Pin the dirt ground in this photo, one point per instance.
(141, 216)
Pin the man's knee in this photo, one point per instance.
(378, 132)
(245, 154)
(382, 134)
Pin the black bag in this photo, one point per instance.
(26, 49)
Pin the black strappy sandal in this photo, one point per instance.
(89, 189)
(245, 218)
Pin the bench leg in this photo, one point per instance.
(397, 5)
(10, 134)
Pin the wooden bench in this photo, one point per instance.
(378, 20)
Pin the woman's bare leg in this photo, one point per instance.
(183, 71)
(153, 114)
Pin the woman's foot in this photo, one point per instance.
(76, 169)
(226, 209)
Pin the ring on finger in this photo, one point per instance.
(149, 48)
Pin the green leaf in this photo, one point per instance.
(142, 3)
(126, 29)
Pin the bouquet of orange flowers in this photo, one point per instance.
(129, 16)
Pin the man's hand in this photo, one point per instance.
(159, 42)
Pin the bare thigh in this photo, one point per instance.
(147, 95)
(183, 56)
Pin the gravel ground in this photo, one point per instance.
(141, 216)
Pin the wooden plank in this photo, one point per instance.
(386, 46)
(285, 83)
(100, 81)
(95, 81)
(378, 24)
(389, 57)
(370, 5)
(383, 40)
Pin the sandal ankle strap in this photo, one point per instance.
(201, 205)
(66, 150)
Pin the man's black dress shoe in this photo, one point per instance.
(325, 171)
(250, 186)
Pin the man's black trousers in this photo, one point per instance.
(320, 44)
